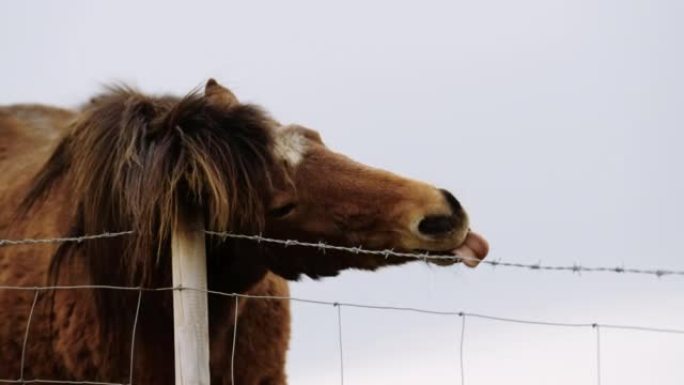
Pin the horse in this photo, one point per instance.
(126, 161)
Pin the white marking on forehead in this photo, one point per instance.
(290, 146)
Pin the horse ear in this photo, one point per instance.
(219, 95)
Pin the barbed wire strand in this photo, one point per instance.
(339, 335)
(575, 268)
(232, 354)
(79, 239)
(133, 334)
(598, 353)
(26, 335)
(454, 258)
(462, 359)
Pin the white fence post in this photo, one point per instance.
(190, 309)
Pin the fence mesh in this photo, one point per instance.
(463, 315)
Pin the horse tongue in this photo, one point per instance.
(473, 250)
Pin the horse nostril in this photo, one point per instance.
(437, 224)
(453, 202)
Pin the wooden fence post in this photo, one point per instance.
(190, 309)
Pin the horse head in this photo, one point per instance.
(318, 195)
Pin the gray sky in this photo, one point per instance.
(557, 123)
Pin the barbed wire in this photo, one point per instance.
(455, 258)
(79, 239)
(386, 253)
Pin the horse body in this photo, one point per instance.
(130, 162)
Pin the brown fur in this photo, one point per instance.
(132, 162)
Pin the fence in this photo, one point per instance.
(574, 268)
(190, 312)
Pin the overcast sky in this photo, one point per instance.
(558, 124)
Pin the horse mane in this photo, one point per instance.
(134, 162)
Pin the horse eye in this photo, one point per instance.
(282, 211)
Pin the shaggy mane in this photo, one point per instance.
(132, 162)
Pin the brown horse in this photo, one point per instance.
(127, 161)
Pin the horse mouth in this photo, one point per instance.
(471, 252)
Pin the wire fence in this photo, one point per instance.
(338, 306)
(386, 253)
